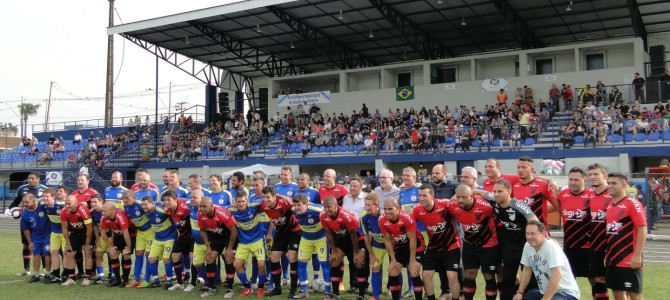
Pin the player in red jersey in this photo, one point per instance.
(342, 234)
(140, 173)
(83, 192)
(443, 244)
(492, 171)
(405, 246)
(535, 192)
(286, 238)
(598, 203)
(78, 233)
(480, 244)
(574, 206)
(218, 231)
(116, 223)
(626, 236)
(183, 245)
(331, 188)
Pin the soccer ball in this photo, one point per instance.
(15, 212)
(319, 285)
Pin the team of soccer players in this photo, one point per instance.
(442, 227)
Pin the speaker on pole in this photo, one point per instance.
(263, 103)
(657, 59)
(224, 106)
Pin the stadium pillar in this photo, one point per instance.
(109, 91)
(239, 102)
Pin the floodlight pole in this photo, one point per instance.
(109, 92)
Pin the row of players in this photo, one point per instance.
(303, 228)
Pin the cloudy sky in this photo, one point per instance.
(66, 42)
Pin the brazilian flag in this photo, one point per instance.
(404, 93)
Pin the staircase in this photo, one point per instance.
(120, 160)
(549, 136)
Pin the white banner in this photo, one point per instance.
(297, 99)
(494, 84)
(54, 178)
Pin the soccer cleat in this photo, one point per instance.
(86, 282)
(352, 289)
(260, 293)
(329, 296)
(55, 279)
(46, 279)
(133, 284)
(123, 284)
(113, 283)
(99, 281)
(167, 285)
(407, 294)
(68, 282)
(254, 285)
(175, 287)
(275, 292)
(291, 293)
(300, 295)
(229, 294)
(155, 284)
(34, 278)
(245, 292)
(189, 288)
(23, 273)
(208, 293)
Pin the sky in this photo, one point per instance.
(65, 42)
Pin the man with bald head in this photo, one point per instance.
(386, 188)
(444, 188)
(116, 230)
(114, 193)
(330, 187)
(77, 229)
(144, 237)
(199, 249)
(144, 187)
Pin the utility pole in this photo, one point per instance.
(109, 92)
(170, 100)
(48, 110)
(23, 130)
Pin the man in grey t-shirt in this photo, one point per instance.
(544, 259)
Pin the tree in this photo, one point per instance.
(27, 110)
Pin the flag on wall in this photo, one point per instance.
(404, 93)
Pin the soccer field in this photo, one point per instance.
(12, 287)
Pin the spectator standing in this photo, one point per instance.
(638, 87)
(502, 98)
(554, 94)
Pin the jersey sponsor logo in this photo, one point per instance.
(279, 221)
(289, 193)
(637, 206)
(41, 214)
(310, 221)
(471, 227)
(439, 227)
(614, 227)
(478, 214)
(137, 213)
(401, 239)
(576, 215)
(510, 225)
(158, 219)
(598, 216)
(216, 230)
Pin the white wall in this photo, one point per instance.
(497, 68)
(363, 81)
(620, 57)
(564, 62)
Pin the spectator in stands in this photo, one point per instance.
(515, 139)
(566, 93)
(502, 98)
(638, 86)
(643, 126)
(76, 139)
(554, 95)
(528, 95)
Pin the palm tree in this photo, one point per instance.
(27, 110)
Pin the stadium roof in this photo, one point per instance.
(286, 37)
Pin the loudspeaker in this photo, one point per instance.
(224, 103)
(263, 103)
(657, 59)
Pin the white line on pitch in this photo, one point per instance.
(11, 281)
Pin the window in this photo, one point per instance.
(404, 79)
(443, 74)
(544, 66)
(595, 61)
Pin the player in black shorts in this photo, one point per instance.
(183, 245)
(120, 242)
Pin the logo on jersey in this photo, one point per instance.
(413, 197)
(289, 193)
(598, 215)
(41, 214)
(614, 227)
(310, 221)
(280, 221)
(574, 215)
(439, 227)
(478, 214)
(137, 213)
(401, 239)
(471, 227)
(158, 219)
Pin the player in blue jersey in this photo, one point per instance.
(374, 240)
(114, 194)
(36, 228)
(144, 188)
(144, 238)
(174, 185)
(312, 242)
(236, 183)
(220, 197)
(53, 207)
(32, 187)
(255, 199)
(165, 233)
(195, 183)
(312, 197)
(199, 247)
(251, 238)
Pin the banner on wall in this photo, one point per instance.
(404, 93)
(310, 98)
(494, 84)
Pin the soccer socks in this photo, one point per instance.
(151, 272)
(55, 273)
(469, 288)
(261, 280)
(230, 275)
(491, 291)
(335, 279)
(294, 276)
(139, 264)
(26, 258)
(316, 266)
(116, 267)
(285, 264)
(100, 272)
(418, 287)
(362, 275)
(600, 291)
(394, 286)
(302, 275)
(126, 264)
(176, 266)
(202, 273)
(169, 271)
(186, 264)
(410, 283)
(276, 274)
(325, 267)
(254, 269)
(211, 273)
(376, 281)
(79, 259)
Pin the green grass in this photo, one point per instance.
(655, 283)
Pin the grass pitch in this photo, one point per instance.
(13, 287)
